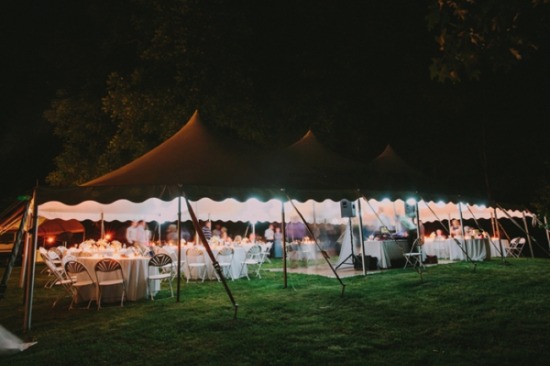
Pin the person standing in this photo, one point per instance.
(207, 230)
(269, 233)
(278, 242)
(131, 233)
(142, 239)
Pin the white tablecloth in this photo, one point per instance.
(239, 253)
(386, 250)
(135, 276)
(459, 249)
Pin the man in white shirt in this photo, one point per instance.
(269, 233)
(142, 237)
(131, 233)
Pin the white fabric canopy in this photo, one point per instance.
(254, 210)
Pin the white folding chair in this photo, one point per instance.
(413, 258)
(225, 261)
(161, 266)
(54, 267)
(174, 255)
(252, 261)
(80, 278)
(60, 279)
(109, 272)
(194, 258)
(516, 247)
(266, 252)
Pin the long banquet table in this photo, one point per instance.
(458, 249)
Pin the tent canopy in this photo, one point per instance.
(226, 181)
(195, 163)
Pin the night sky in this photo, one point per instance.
(447, 131)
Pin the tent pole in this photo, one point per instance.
(499, 238)
(361, 235)
(490, 242)
(102, 235)
(283, 229)
(546, 230)
(212, 256)
(24, 259)
(15, 250)
(465, 249)
(179, 247)
(524, 229)
(29, 283)
(528, 235)
(324, 253)
(419, 238)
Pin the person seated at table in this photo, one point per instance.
(238, 239)
(217, 230)
(456, 229)
(225, 238)
(172, 234)
(439, 235)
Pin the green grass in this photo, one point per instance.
(453, 315)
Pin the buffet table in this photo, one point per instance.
(386, 250)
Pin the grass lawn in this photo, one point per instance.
(496, 315)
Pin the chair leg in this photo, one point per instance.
(241, 272)
(98, 297)
(149, 290)
(171, 287)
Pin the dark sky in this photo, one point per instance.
(441, 129)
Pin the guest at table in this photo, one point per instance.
(456, 229)
(295, 229)
(172, 234)
(186, 233)
(217, 231)
(225, 238)
(439, 235)
(206, 230)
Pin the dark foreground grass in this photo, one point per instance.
(496, 315)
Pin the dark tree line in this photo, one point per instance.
(265, 72)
